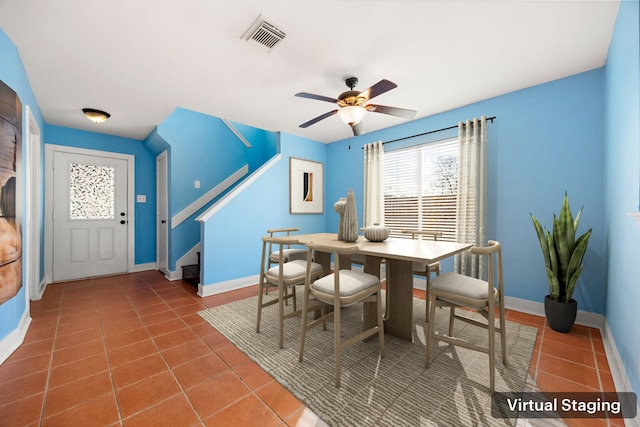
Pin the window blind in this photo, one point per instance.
(420, 188)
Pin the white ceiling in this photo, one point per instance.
(140, 59)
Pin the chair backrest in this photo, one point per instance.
(287, 230)
(494, 262)
(267, 248)
(431, 234)
(340, 248)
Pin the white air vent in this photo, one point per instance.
(264, 33)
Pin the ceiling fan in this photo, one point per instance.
(353, 104)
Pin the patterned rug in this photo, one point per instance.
(395, 390)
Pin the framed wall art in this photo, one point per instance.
(306, 186)
(10, 229)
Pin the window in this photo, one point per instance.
(421, 187)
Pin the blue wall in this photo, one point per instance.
(203, 148)
(622, 110)
(231, 238)
(12, 73)
(145, 178)
(546, 140)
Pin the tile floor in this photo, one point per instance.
(131, 350)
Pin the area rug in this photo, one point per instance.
(395, 390)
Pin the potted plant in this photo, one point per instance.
(563, 255)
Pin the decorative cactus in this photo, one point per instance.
(562, 253)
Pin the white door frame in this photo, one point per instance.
(33, 206)
(161, 197)
(49, 150)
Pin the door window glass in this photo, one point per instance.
(91, 191)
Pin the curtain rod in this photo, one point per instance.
(489, 119)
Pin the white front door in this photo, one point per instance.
(90, 216)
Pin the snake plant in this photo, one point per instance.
(562, 253)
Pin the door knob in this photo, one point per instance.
(122, 214)
(164, 221)
(123, 221)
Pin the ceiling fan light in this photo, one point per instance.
(96, 116)
(352, 114)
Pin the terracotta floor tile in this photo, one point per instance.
(252, 374)
(215, 394)
(249, 412)
(132, 352)
(568, 352)
(76, 338)
(25, 386)
(77, 352)
(30, 349)
(12, 369)
(175, 411)
(185, 353)
(70, 395)
(118, 328)
(279, 399)
(161, 328)
(24, 412)
(127, 338)
(139, 369)
(148, 392)
(174, 338)
(159, 317)
(91, 365)
(191, 374)
(232, 356)
(101, 411)
(569, 370)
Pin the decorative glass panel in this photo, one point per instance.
(91, 191)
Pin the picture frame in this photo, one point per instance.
(306, 186)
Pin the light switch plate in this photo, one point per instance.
(142, 198)
(196, 184)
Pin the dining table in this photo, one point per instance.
(398, 255)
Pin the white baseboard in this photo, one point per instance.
(585, 318)
(230, 285)
(143, 267)
(11, 342)
(619, 374)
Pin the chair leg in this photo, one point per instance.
(492, 356)
(281, 293)
(259, 316)
(428, 297)
(380, 324)
(303, 323)
(432, 318)
(452, 315)
(337, 342)
(503, 337)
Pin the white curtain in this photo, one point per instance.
(471, 226)
(373, 183)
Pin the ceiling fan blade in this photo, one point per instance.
(358, 129)
(377, 89)
(316, 97)
(317, 119)
(393, 111)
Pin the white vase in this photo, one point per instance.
(350, 222)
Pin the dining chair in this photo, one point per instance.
(340, 289)
(290, 254)
(456, 290)
(284, 276)
(422, 268)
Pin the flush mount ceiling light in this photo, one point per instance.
(96, 116)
